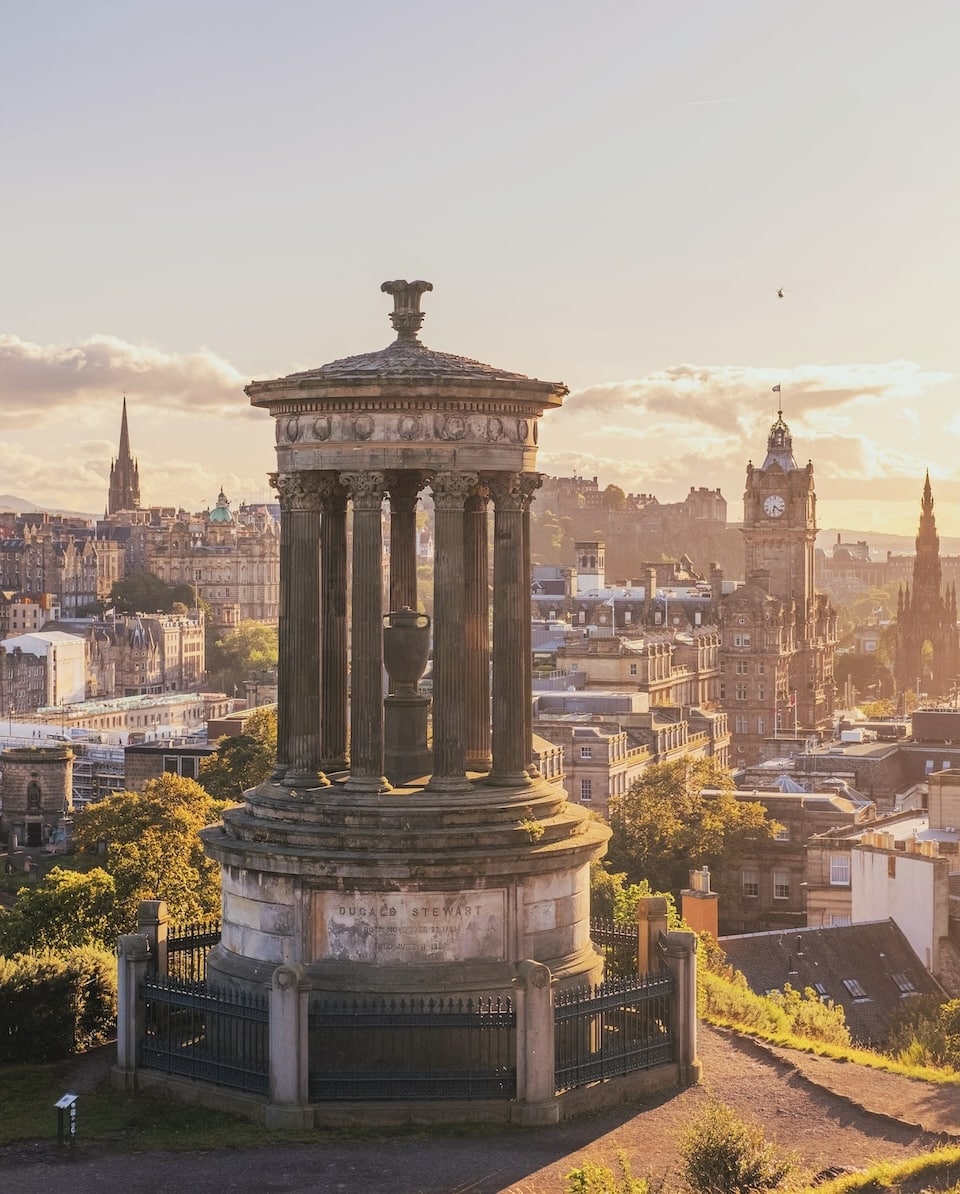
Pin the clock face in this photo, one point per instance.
(774, 505)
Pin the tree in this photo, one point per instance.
(144, 593)
(67, 909)
(678, 816)
(614, 498)
(244, 760)
(251, 647)
(153, 848)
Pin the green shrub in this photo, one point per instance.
(591, 1178)
(54, 1005)
(723, 1155)
(725, 996)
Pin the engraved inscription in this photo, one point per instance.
(409, 927)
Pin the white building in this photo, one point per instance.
(66, 663)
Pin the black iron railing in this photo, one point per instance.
(413, 1049)
(187, 949)
(617, 943)
(615, 1028)
(190, 1031)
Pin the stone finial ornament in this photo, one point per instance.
(406, 316)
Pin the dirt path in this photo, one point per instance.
(766, 1087)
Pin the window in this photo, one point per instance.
(586, 752)
(633, 669)
(722, 691)
(761, 669)
(781, 885)
(750, 884)
(904, 985)
(782, 834)
(586, 790)
(741, 640)
(839, 870)
(759, 725)
(741, 724)
(743, 667)
(761, 693)
(855, 989)
(741, 692)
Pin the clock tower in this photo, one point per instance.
(778, 635)
(780, 519)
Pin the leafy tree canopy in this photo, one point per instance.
(243, 760)
(238, 654)
(614, 498)
(613, 898)
(144, 593)
(153, 848)
(667, 823)
(66, 910)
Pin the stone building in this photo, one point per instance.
(37, 787)
(74, 566)
(336, 866)
(232, 561)
(21, 613)
(778, 634)
(23, 680)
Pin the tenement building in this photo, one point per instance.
(778, 634)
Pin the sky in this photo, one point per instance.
(196, 194)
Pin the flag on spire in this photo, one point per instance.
(776, 389)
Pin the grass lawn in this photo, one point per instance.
(134, 1122)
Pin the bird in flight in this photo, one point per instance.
(780, 292)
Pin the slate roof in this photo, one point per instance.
(875, 956)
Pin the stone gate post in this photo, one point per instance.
(651, 923)
(680, 955)
(133, 954)
(536, 1078)
(289, 1049)
(153, 922)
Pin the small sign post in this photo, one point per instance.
(67, 1119)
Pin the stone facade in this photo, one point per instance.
(779, 635)
(37, 786)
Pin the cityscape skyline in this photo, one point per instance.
(611, 199)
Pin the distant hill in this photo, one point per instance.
(9, 504)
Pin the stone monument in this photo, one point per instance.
(373, 863)
(37, 791)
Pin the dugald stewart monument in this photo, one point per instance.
(401, 848)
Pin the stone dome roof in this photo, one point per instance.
(406, 361)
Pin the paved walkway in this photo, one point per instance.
(828, 1113)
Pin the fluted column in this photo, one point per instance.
(450, 491)
(333, 625)
(298, 697)
(510, 609)
(530, 483)
(477, 630)
(366, 673)
(404, 488)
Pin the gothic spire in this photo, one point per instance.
(124, 493)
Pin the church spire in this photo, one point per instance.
(124, 491)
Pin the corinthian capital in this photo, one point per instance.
(450, 490)
(297, 491)
(366, 489)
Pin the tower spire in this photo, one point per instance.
(124, 493)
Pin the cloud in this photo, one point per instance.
(45, 379)
(720, 394)
(871, 430)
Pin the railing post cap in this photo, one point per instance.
(133, 946)
(534, 974)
